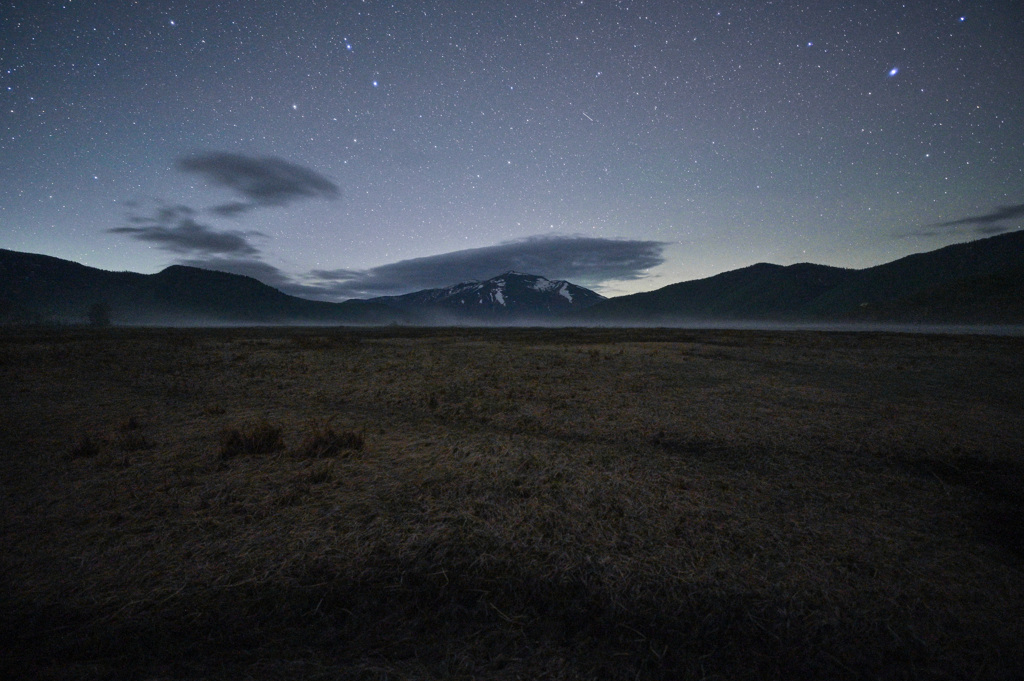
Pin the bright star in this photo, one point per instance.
(172, 23)
(374, 83)
(893, 71)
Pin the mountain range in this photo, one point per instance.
(978, 282)
(41, 289)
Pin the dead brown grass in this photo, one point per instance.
(323, 442)
(416, 503)
(258, 438)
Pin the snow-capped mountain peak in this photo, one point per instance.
(512, 296)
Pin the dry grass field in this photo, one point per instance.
(510, 504)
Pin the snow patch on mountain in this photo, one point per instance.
(508, 296)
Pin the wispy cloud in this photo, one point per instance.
(265, 181)
(174, 229)
(986, 224)
(231, 209)
(249, 267)
(998, 215)
(588, 261)
(258, 181)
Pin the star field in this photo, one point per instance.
(712, 135)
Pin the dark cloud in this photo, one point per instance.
(174, 229)
(257, 269)
(990, 230)
(998, 215)
(189, 236)
(987, 224)
(250, 267)
(261, 181)
(583, 260)
(230, 210)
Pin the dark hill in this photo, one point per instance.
(761, 291)
(925, 286)
(982, 299)
(977, 282)
(40, 288)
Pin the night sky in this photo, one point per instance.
(351, 149)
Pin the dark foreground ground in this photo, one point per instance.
(457, 504)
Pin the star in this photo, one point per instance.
(893, 71)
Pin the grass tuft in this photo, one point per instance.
(324, 442)
(133, 442)
(321, 475)
(259, 438)
(85, 448)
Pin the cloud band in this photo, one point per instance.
(584, 260)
